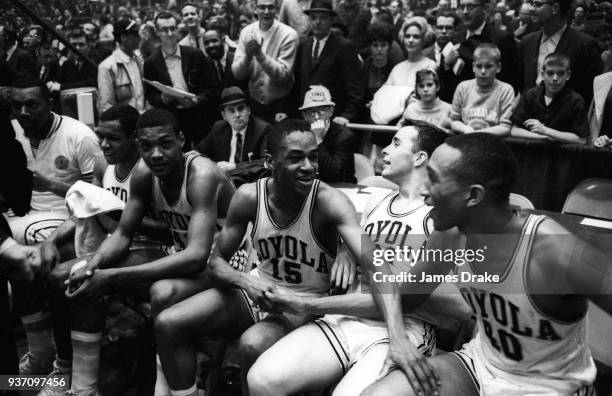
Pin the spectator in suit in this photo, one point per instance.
(332, 61)
(458, 64)
(395, 8)
(239, 137)
(446, 25)
(220, 56)
(74, 72)
(557, 36)
(266, 56)
(19, 60)
(336, 143)
(191, 19)
(184, 68)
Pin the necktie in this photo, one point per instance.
(315, 52)
(238, 153)
(218, 69)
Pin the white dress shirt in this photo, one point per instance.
(548, 45)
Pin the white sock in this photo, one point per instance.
(39, 334)
(191, 391)
(161, 385)
(85, 360)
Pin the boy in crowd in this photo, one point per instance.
(483, 104)
(552, 110)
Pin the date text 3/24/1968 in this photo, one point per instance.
(32, 382)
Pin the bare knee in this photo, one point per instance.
(251, 345)
(263, 382)
(163, 294)
(167, 327)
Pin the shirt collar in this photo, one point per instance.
(242, 131)
(176, 54)
(322, 41)
(555, 37)
(477, 31)
(122, 56)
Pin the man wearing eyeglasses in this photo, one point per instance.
(458, 63)
(556, 36)
(183, 68)
(446, 23)
(265, 56)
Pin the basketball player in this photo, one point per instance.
(60, 150)
(188, 193)
(531, 322)
(318, 355)
(296, 224)
(117, 141)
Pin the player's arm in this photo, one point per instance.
(241, 211)
(202, 190)
(117, 244)
(577, 268)
(49, 249)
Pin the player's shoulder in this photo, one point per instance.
(74, 129)
(201, 166)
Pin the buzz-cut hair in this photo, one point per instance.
(485, 160)
(280, 131)
(23, 82)
(558, 60)
(488, 50)
(156, 118)
(189, 4)
(164, 15)
(125, 114)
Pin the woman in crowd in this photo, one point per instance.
(404, 73)
(378, 65)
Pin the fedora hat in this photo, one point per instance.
(321, 6)
(232, 95)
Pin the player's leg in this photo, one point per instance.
(453, 372)
(178, 329)
(260, 337)
(167, 292)
(301, 361)
(364, 372)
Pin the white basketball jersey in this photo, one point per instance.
(175, 214)
(116, 185)
(291, 255)
(388, 230)
(515, 340)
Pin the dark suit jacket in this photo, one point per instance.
(198, 76)
(582, 50)
(22, 62)
(228, 78)
(338, 69)
(195, 121)
(71, 76)
(509, 61)
(216, 145)
(336, 155)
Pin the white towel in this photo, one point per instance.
(84, 202)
